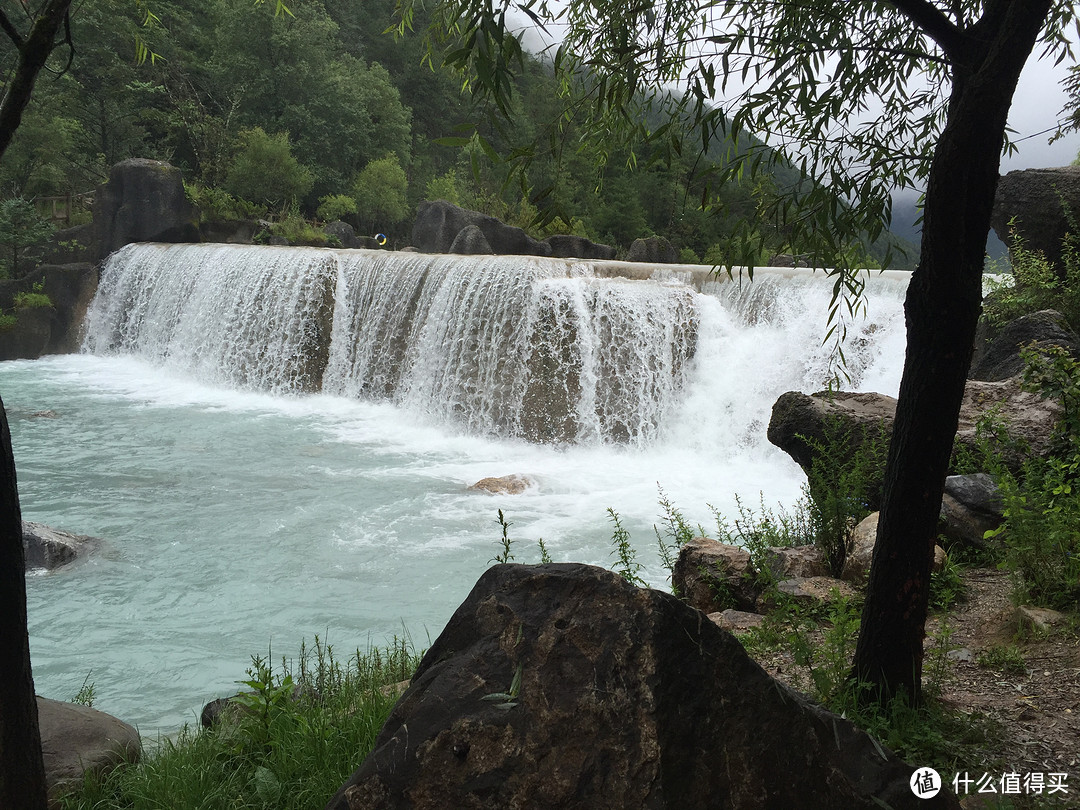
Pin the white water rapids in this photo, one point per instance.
(277, 442)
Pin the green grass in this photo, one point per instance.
(291, 742)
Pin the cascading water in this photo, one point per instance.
(275, 443)
(508, 346)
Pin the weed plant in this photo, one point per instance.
(292, 740)
(1041, 532)
(1035, 285)
(843, 487)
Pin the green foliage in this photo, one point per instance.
(8, 322)
(627, 566)
(545, 557)
(289, 745)
(947, 585)
(829, 661)
(675, 534)
(380, 193)
(86, 694)
(265, 171)
(334, 207)
(841, 484)
(1035, 285)
(688, 256)
(1004, 658)
(216, 204)
(20, 227)
(1042, 512)
(32, 300)
(504, 555)
(298, 231)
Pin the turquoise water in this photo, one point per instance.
(237, 521)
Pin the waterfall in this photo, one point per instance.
(548, 350)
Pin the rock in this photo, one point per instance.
(860, 553)
(143, 201)
(1031, 419)
(77, 739)
(49, 548)
(470, 241)
(28, 338)
(795, 561)
(438, 223)
(1039, 620)
(506, 485)
(344, 233)
(997, 356)
(653, 250)
(68, 246)
(231, 231)
(854, 418)
(809, 592)
(51, 329)
(227, 710)
(735, 621)
(970, 507)
(622, 698)
(857, 417)
(1038, 199)
(713, 576)
(788, 260)
(564, 246)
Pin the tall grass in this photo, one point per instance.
(290, 741)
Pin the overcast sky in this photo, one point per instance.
(1036, 106)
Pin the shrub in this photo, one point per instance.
(32, 300)
(1042, 510)
(335, 206)
(264, 170)
(1035, 285)
(218, 204)
(842, 485)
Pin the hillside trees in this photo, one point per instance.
(864, 97)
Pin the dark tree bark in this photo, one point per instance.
(34, 49)
(22, 773)
(942, 310)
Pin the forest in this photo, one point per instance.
(323, 114)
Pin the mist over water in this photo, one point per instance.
(241, 506)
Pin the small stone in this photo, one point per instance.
(735, 621)
(1039, 620)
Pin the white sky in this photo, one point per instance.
(1036, 105)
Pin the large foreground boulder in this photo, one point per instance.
(143, 201)
(1040, 203)
(563, 686)
(76, 740)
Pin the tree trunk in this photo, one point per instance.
(22, 773)
(942, 310)
(33, 51)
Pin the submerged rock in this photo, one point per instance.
(563, 686)
(506, 485)
(48, 548)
